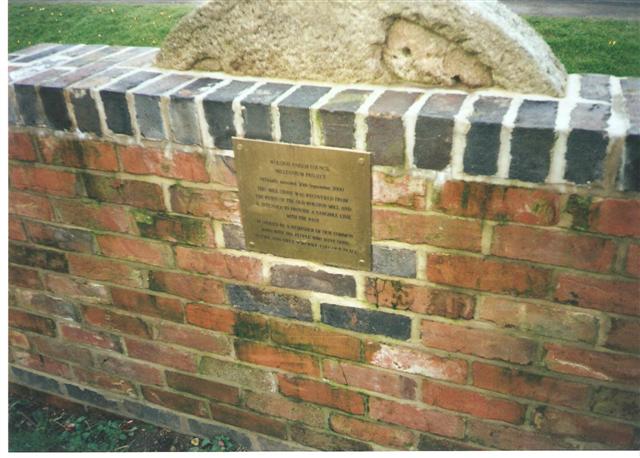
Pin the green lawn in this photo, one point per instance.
(584, 46)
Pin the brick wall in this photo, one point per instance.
(502, 310)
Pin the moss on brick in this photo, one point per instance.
(578, 207)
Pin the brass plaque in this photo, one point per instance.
(305, 202)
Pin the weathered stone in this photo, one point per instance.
(465, 43)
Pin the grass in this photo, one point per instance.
(583, 45)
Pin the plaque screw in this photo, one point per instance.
(361, 162)
(361, 261)
(252, 243)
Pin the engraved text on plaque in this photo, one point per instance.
(305, 202)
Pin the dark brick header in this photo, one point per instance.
(590, 137)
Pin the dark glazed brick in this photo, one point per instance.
(219, 113)
(38, 257)
(302, 278)
(595, 87)
(27, 98)
(52, 49)
(86, 112)
(208, 430)
(385, 131)
(295, 121)
(483, 138)
(394, 261)
(152, 415)
(185, 125)
(92, 57)
(428, 443)
(631, 167)
(255, 300)
(274, 445)
(434, 131)
(35, 381)
(90, 397)
(532, 141)
(83, 102)
(325, 441)
(233, 236)
(587, 143)
(115, 103)
(55, 108)
(147, 103)
(257, 110)
(60, 237)
(366, 321)
(337, 118)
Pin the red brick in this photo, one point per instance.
(188, 286)
(248, 420)
(131, 370)
(279, 406)
(416, 362)
(241, 268)
(386, 436)
(433, 230)
(488, 275)
(431, 421)
(77, 288)
(203, 388)
(88, 337)
(16, 231)
(321, 393)
(222, 170)
(95, 216)
(41, 363)
(633, 260)
(471, 402)
(546, 320)
(175, 228)
(214, 318)
(321, 341)
(108, 319)
(530, 385)
(97, 268)
(150, 161)
(18, 340)
(21, 147)
(31, 322)
(480, 200)
(286, 360)
(510, 438)
(420, 299)
(616, 217)
(324, 441)
(370, 379)
(104, 381)
(191, 337)
(601, 294)
(32, 206)
(139, 194)
(175, 401)
(43, 180)
(27, 278)
(589, 429)
(147, 304)
(592, 364)
(219, 205)
(136, 250)
(60, 237)
(553, 247)
(161, 354)
(480, 342)
(61, 350)
(85, 154)
(624, 335)
(405, 190)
